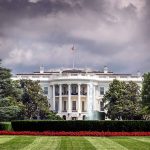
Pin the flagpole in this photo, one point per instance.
(73, 60)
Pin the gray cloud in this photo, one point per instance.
(105, 32)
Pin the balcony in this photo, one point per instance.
(73, 93)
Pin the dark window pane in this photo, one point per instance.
(46, 90)
(101, 90)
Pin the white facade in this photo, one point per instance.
(75, 94)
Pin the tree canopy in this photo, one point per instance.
(146, 89)
(5, 82)
(36, 104)
(10, 107)
(123, 101)
(146, 95)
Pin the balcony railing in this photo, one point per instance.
(66, 94)
(74, 93)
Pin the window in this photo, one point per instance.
(83, 106)
(56, 106)
(65, 106)
(101, 106)
(56, 90)
(74, 105)
(65, 91)
(74, 90)
(83, 90)
(101, 90)
(46, 90)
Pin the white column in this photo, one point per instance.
(94, 98)
(69, 98)
(88, 89)
(90, 101)
(79, 99)
(60, 98)
(50, 97)
(53, 97)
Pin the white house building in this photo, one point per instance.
(76, 94)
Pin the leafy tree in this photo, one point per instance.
(10, 109)
(36, 104)
(146, 94)
(146, 90)
(122, 101)
(5, 82)
(132, 108)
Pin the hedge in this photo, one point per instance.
(5, 126)
(75, 126)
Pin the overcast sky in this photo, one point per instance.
(115, 33)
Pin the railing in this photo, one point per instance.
(72, 94)
(77, 76)
(83, 111)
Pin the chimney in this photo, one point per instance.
(105, 69)
(41, 69)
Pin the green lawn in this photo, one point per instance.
(73, 143)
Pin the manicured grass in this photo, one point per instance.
(73, 143)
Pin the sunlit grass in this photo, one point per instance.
(73, 143)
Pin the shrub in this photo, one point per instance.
(75, 126)
(5, 126)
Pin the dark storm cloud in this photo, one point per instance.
(105, 32)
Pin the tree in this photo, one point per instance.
(10, 109)
(122, 101)
(132, 108)
(5, 82)
(10, 106)
(146, 90)
(36, 104)
(146, 94)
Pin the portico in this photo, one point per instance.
(70, 99)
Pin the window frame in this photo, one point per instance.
(45, 90)
(74, 106)
(102, 92)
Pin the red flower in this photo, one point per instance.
(80, 133)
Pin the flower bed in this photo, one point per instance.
(81, 133)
